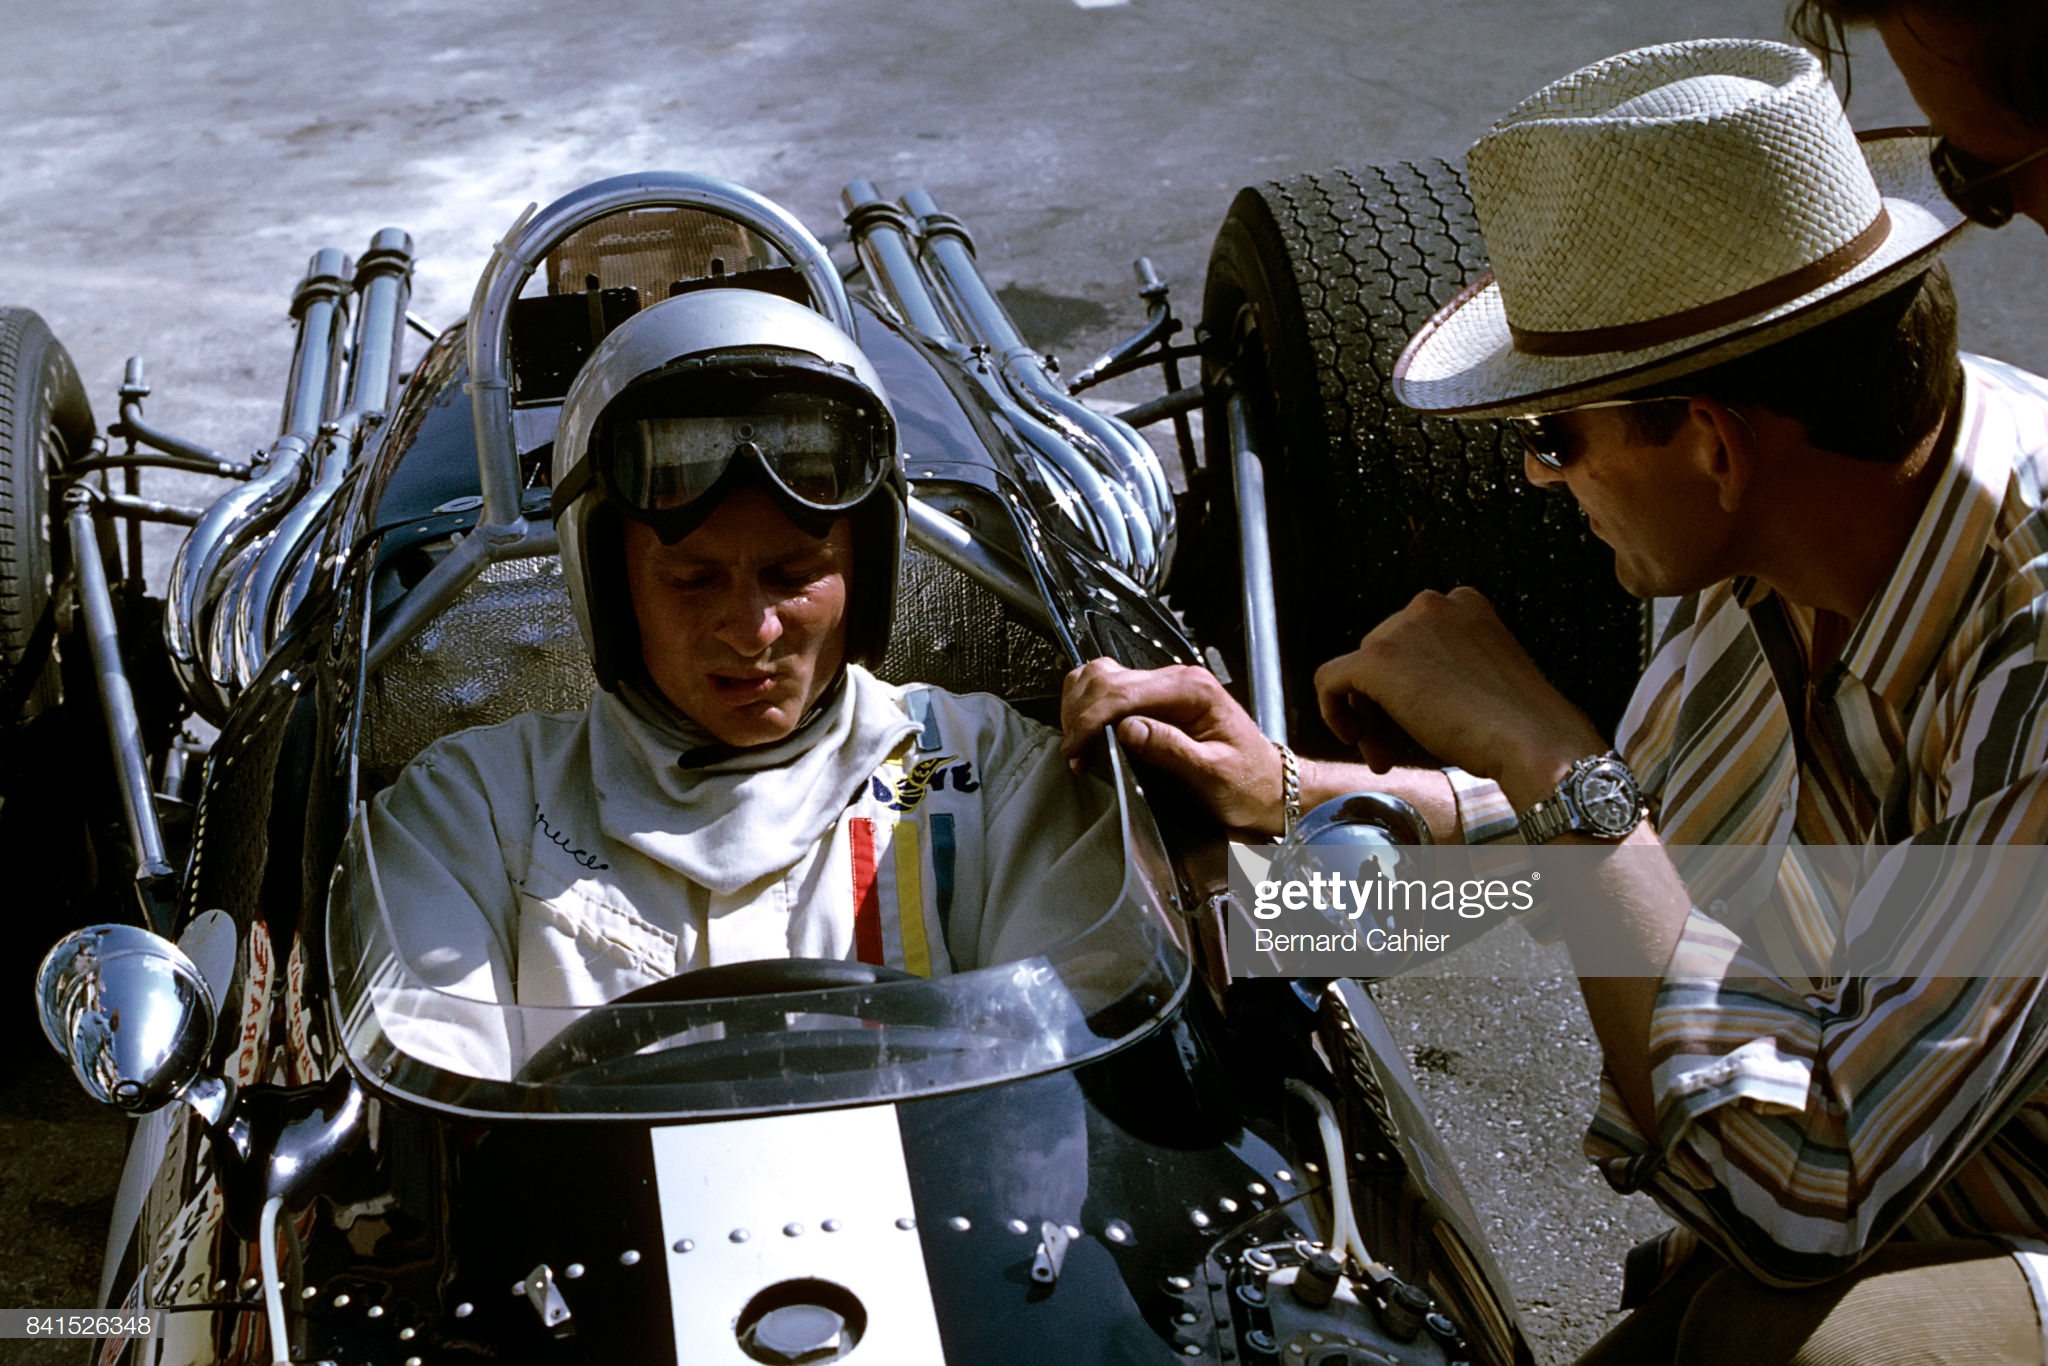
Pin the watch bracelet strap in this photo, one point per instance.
(1546, 820)
(1557, 815)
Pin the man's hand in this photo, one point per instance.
(1180, 720)
(1445, 670)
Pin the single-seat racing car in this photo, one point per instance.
(1110, 1152)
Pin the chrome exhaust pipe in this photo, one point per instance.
(320, 307)
(1130, 479)
(250, 604)
(885, 241)
(383, 288)
(383, 285)
(224, 661)
(1077, 485)
(200, 573)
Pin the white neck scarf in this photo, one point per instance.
(748, 814)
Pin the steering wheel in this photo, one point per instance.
(609, 1032)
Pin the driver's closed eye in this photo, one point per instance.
(796, 577)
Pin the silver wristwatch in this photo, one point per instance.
(1598, 797)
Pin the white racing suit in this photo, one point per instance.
(567, 859)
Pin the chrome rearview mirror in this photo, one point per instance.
(1362, 821)
(135, 1017)
(1346, 832)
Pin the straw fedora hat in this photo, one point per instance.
(1662, 211)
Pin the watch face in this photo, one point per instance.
(1605, 793)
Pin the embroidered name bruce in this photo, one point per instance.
(561, 841)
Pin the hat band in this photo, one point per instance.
(1692, 322)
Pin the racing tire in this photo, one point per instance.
(44, 421)
(1315, 285)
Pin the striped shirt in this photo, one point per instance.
(1802, 1123)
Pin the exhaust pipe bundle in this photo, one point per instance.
(245, 566)
(922, 262)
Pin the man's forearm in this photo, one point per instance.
(1425, 789)
(1622, 927)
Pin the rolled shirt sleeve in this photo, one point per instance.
(1485, 816)
(1799, 1128)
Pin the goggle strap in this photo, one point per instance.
(572, 487)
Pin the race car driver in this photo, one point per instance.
(731, 505)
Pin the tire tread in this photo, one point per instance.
(1390, 502)
(43, 413)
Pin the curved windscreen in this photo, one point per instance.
(731, 1055)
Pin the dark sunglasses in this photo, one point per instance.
(1983, 193)
(1545, 439)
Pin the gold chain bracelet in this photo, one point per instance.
(1290, 790)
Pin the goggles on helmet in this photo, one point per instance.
(823, 452)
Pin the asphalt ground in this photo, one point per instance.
(168, 167)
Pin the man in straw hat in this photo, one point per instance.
(1720, 323)
(1979, 68)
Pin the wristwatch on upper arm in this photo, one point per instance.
(1598, 797)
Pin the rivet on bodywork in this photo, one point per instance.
(250, 1284)
(629, 1258)
(1200, 1218)
(519, 1287)
(309, 1292)
(1018, 1226)
(375, 1311)
(408, 1334)
(1227, 1205)
(341, 1301)
(792, 1230)
(464, 1310)
(830, 1225)
(685, 1245)
(1070, 1230)
(572, 1271)
(412, 1361)
(1284, 1176)
(1117, 1231)
(906, 1223)
(960, 1223)
(1257, 1188)
(739, 1235)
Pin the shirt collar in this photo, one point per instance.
(1902, 631)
